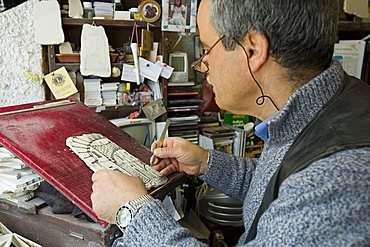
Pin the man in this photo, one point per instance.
(272, 60)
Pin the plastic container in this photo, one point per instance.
(134, 14)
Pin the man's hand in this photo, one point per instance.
(112, 189)
(178, 154)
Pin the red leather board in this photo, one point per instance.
(39, 139)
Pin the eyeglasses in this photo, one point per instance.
(201, 66)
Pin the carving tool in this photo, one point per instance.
(154, 160)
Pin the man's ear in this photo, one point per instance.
(257, 48)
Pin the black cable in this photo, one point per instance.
(263, 96)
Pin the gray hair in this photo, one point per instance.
(301, 33)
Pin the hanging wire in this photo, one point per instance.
(178, 41)
(261, 99)
(134, 33)
(181, 35)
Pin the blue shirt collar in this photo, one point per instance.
(261, 129)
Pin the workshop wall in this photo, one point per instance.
(19, 54)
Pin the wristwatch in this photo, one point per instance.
(126, 212)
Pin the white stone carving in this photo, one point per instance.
(98, 152)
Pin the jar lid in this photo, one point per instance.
(87, 4)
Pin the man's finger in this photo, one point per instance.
(169, 170)
(96, 175)
(166, 152)
(94, 187)
(153, 146)
(162, 164)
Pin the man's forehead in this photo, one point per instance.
(207, 33)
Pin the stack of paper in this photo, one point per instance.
(18, 181)
(109, 93)
(92, 92)
(103, 9)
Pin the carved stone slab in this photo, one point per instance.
(98, 152)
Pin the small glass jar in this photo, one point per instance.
(88, 10)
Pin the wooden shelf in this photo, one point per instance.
(76, 66)
(343, 26)
(112, 23)
(353, 26)
(112, 112)
(114, 107)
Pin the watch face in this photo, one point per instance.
(124, 217)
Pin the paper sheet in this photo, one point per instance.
(134, 49)
(129, 73)
(153, 53)
(154, 86)
(95, 58)
(159, 127)
(60, 84)
(205, 142)
(356, 7)
(48, 23)
(170, 208)
(350, 53)
(149, 70)
(166, 69)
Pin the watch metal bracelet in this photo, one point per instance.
(141, 201)
(127, 211)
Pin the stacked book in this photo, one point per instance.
(92, 92)
(183, 108)
(239, 141)
(228, 139)
(109, 93)
(183, 98)
(221, 137)
(18, 181)
(185, 127)
(104, 9)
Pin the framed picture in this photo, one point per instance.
(179, 15)
(150, 11)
